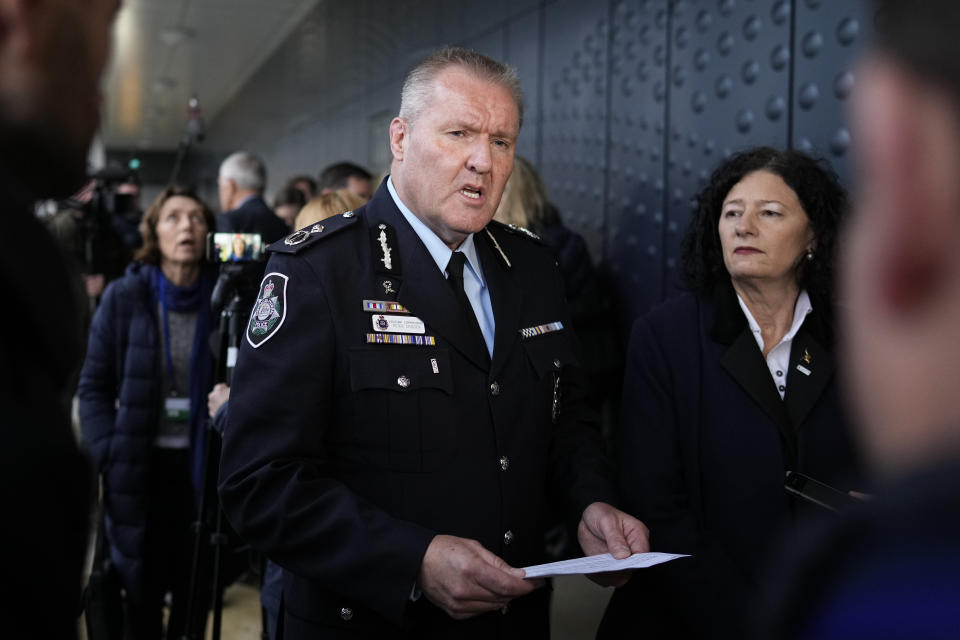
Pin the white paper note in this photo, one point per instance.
(599, 564)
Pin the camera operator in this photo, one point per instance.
(142, 394)
(98, 228)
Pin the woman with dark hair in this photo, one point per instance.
(730, 386)
(143, 391)
(288, 203)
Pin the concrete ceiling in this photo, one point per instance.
(166, 51)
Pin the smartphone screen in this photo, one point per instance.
(817, 492)
(234, 247)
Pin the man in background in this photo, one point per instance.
(889, 568)
(243, 177)
(52, 53)
(346, 175)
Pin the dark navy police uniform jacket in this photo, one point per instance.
(348, 448)
(253, 216)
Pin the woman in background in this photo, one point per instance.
(142, 397)
(727, 387)
(329, 204)
(288, 203)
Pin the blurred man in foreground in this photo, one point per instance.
(889, 569)
(52, 53)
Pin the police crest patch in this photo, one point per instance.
(269, 311)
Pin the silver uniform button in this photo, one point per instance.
(504, 463)
(403, 381)
(495, 388)
(508, 537)
(346, 614)
(348, 214)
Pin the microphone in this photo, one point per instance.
(195, 131)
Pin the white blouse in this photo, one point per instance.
(778, 360)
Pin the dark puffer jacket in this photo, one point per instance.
(120, 401)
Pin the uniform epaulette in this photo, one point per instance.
(308, 236)
(515, 230)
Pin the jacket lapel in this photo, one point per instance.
(803, 388)
(424, 289)
(744, 362)
(505, 298)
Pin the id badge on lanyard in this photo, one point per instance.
(177, 409)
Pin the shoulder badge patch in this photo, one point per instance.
(269, 311)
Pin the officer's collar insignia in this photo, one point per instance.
(539, 330)
(296, 237)
(382, 238)
(269, 311)
(383, 245)
(317, 228)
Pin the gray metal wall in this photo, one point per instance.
(631, 103)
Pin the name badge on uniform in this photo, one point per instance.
(398, 324)
(177, 409)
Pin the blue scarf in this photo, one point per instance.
(194, 298)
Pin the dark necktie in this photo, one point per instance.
(455, 273)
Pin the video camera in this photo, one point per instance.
(106, 218)
(241, 258)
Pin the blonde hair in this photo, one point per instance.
(326, 206)
(524, 197)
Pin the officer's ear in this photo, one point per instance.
(398, 137)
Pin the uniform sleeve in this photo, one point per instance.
(277, 485)
(97, 389)
(653, 470)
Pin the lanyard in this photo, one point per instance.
(162, 296)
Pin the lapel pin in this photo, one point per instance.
(388, 286)
(807, 358)
(433, 365)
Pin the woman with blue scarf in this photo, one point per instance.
(143, 398)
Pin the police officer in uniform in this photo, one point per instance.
(405, 405)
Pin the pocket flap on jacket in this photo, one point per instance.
(400, 369)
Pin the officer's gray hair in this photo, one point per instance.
(246, 169)
(419, 83)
